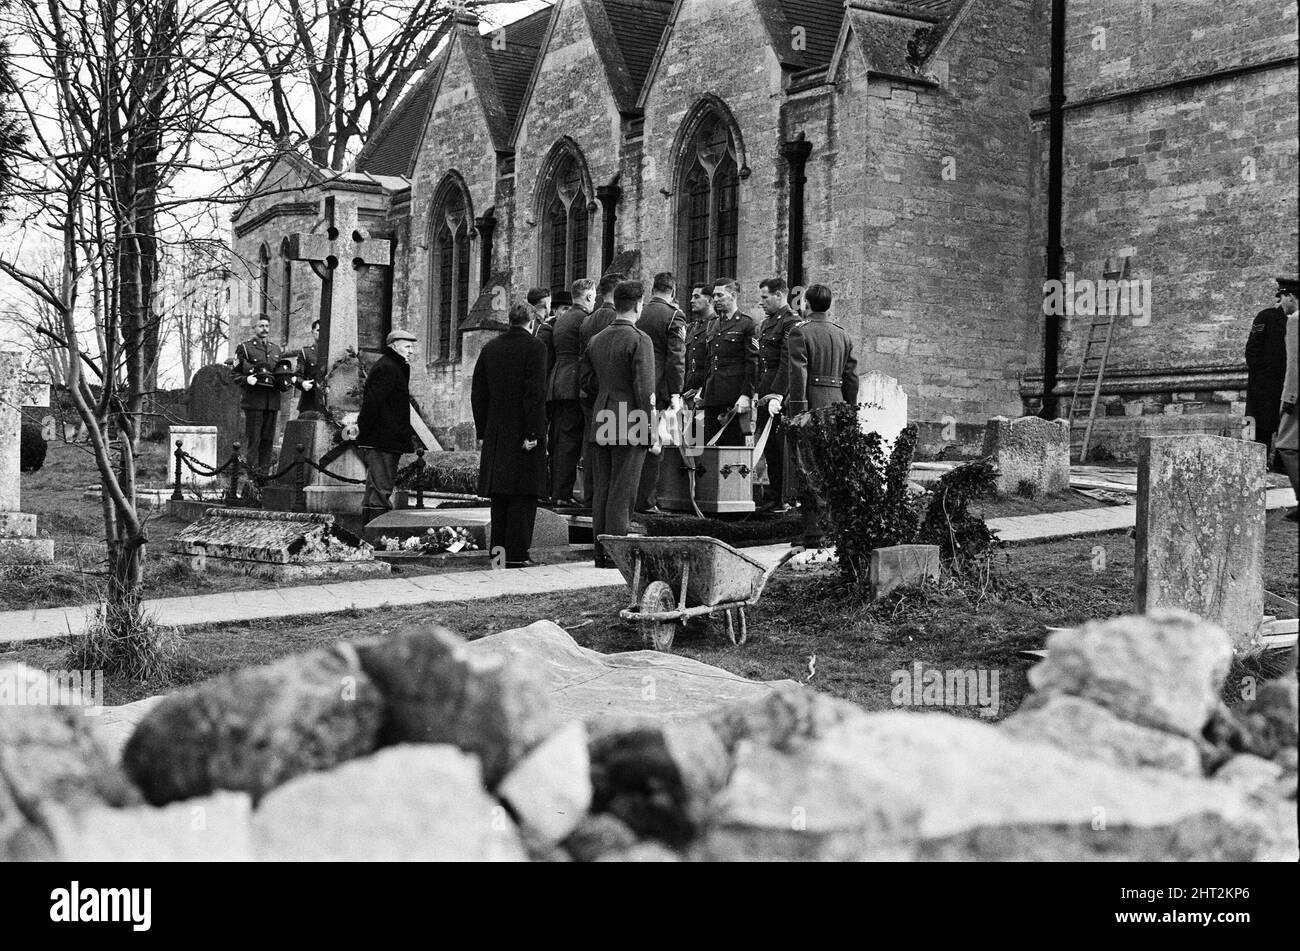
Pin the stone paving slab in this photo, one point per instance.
(40, 624)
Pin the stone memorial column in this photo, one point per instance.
(1200, 530)
(18, 542)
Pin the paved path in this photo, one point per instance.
(479, 585)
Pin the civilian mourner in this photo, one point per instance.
(592, 324)
(733, 368)
(255, 364)
(566, 419)
(666, 326)
(618, 376)
(539, 303)
(310, 374)
(772, 334)
(819, 370)
(1288, 433)
(384, 430)
(1266, 361)
(508, 398)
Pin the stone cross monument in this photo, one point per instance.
(18, 542)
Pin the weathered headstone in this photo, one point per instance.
(1200, 530)
(888, 415)
(214, 401)
(898, 565)
(1032, 455)
(18, 542)
(276, 545)
(200, 442)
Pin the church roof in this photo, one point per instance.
(638, 26)
(513, 61)
(897, 36)
(391, 150)
(820, 20)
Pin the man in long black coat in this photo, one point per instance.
(1266, 365)
(508, 397)
(384, 429)
(618, 376)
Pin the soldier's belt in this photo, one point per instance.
(827, 381)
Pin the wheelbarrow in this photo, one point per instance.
(674, 579)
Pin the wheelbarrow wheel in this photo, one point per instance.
(658, 596)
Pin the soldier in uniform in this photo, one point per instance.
(1266, 363)
(697, 339)
(772, 334)
(310, 375)
(618, 376)
(733, 367)
(666, 326)
(819, 370)
(592, 324)
(255, 362)
(566, 418)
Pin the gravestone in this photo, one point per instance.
(214, 401)
(896, 566)
(18, 542)
(200, 442)
(1200, 530)
(888, 416)
(280, 546)
(1032, 455)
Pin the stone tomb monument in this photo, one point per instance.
(1200, 530)
(280, 546)
(18, 542)
(1032, 455)
(550, 531)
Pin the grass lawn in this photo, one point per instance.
(857, 646)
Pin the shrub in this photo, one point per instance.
(125, 640)
(867, 504)
(443, 472)
(33, 448)
(962, 538)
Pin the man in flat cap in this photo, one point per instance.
(1266, 361)
(384, 429)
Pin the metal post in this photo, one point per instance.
(233, 494)
(1055, 189)
(300, 478)
(419, 478)
(176, 492)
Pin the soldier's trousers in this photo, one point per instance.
(513, 518)
(617, 472)
(565, 440)
(647, 493)
(259, 437)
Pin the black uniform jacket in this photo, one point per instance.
(666, 326)
(733, 360)
(567, 347)
(618, 376)
(258, 358)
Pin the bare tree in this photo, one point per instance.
(195, 313)
(117, 100)
(330, 71)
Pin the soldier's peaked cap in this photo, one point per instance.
(1288, 285)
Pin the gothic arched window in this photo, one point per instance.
(564, 225)
(450, 264)
(708, 202)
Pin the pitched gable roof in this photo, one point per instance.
(897, 36)
(513, 61)
(391, 149)
(820, 21)
(638, 26)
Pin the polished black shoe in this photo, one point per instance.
(526, 563)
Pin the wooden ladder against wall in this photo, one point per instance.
(1092, 369)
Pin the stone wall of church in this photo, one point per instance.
(280, 207)
(570, 98)
(747, 79)
(1189, 174)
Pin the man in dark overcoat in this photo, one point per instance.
(384, 429)
(1266, 364)
(508, 397)
(666, 326)
(565, 410)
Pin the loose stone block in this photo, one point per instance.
(1200, 530)
(1029, 452)
(200, 442)
(900, 565)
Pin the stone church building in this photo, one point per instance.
(896, 150)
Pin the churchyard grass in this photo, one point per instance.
(971, 625)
